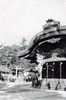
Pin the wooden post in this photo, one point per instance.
(16, 71)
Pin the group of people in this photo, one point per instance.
(36, 81)
(57, 87)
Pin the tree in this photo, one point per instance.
(23, 43)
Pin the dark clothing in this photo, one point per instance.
(58, 86)
(35, 82)
(48, 85)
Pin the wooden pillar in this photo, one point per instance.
(47, 72)
(53, 70)
(60, 70)
(40, 70)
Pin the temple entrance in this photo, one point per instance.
(54, 70)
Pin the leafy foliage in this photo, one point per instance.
(9, 55)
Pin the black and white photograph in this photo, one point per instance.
(32, 49)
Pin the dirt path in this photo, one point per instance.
(24, 92)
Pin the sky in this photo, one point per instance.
(25, 18)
